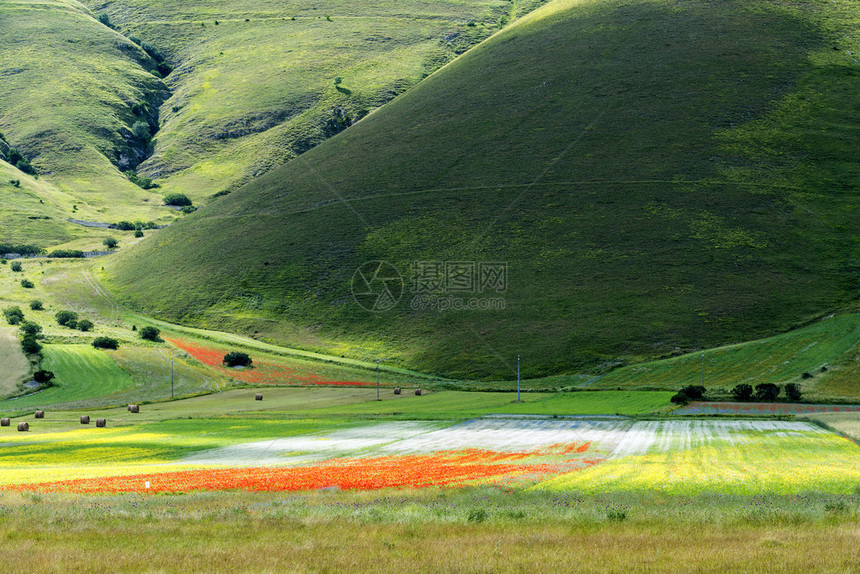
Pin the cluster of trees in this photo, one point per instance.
(66, 253)
(30, 331)
(105, 343)
(10, 248)
(70, 319)
(765, 392)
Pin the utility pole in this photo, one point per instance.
(518, 378)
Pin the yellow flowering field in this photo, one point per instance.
(729, 457)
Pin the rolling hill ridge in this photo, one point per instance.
(658, 177)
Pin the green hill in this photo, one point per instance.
(69, 91)
(88, 90)
(257, 83)
(657, 177)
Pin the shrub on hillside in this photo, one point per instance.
(694, 392)
(66, 254)
(176, 199)
(30, 345)
(27, 284)
(16, 267)
(680, 399)
(792, 391)
(237, 359)
(742, 392)
(85, 325)
(766, 392)
(43, 376)
(150, 334)
(36, 305)
(138, 233)
(13, 315)
(65, 317)
(141, 131)
(124, 225)
(140, 181)
(30, 328)
(110, 242)
(105, 343)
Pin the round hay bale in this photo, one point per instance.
(396, 390)
(23, 427)
(40, 414)
(134, 408)
(258, 397)
(417, 392)
(101, 423)
(4, 422)
(85, 420)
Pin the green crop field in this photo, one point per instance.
(82, 373)
(654, 178)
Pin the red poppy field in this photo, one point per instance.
(261, 372)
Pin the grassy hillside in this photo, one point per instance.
(657, 178)
(70, 87)
(827, 350)
(255, 82)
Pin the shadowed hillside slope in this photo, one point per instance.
(657, 177)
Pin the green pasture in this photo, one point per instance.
(460, 404)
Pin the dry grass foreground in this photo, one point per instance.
(324, 532)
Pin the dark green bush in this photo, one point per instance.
(766, 392)
(43, 376)
(16, 266)
(680, 399)
(124, 226)
(105, 343)
(742, 392)
(149, 333)
(30, 328)
(66, 254)
(85, 325)
(13, 315)
(36, 305)
(30, 345)
(793, 392)
(237, 359)
(27, 284)
(110, 242)
(65, 317)
(176, 199)
(138, 233)
(141, 131)
(693, 392)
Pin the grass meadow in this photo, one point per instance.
(468, 530)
